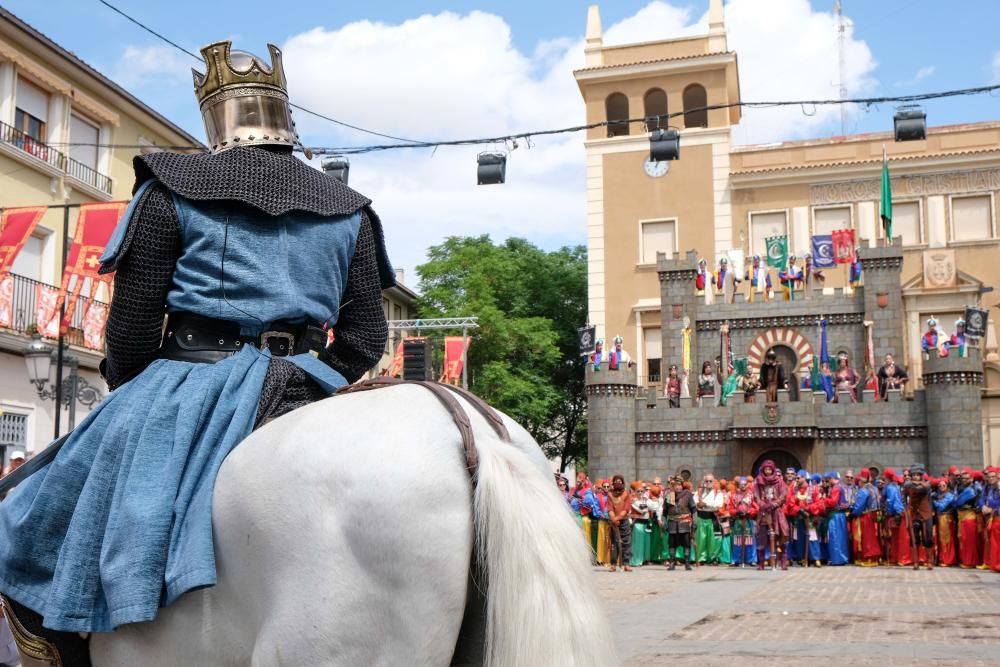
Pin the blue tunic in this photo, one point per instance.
(120, 523)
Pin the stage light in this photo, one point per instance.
(664, 145)
(910, 123)
(337, 166)
(491, 169)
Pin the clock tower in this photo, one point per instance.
(636, 207)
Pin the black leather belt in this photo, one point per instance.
(198, 339)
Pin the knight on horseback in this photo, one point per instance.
(252, 256)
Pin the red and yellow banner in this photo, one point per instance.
(16, 226)
(844, 248)
(93, 231)
(454, 358)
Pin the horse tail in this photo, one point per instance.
(542, 606)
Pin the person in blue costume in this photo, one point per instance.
(838, 504)
(946, 530)
(865, 513)
(894, 508)
(251, 256)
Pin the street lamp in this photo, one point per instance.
(40, 359)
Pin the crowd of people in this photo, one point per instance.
(793, 518)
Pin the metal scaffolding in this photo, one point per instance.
(463, 323)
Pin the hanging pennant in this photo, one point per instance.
(93, 230)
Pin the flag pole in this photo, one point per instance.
(885, 231)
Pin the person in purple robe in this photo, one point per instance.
(770, 493)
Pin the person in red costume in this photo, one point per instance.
(970, 539)
(946, 531)
(867, 504)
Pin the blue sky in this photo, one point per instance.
(474, 68)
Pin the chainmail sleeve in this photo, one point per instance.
(361, 331)
(142, 279)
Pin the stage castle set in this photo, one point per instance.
(635, 432)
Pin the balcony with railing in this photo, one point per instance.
(24, 309)
(11, 136)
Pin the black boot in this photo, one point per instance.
(673, 564)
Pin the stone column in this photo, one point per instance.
(611, 420)
(953, 401)
(677, 301)
(881, 268)
(8, 80)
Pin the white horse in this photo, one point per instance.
(344, 535)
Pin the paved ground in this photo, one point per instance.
(877, 616)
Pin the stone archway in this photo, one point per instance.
(782, 460)
(785, 336)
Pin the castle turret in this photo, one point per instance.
(953, 400)
(883, 297)
(611, 422)
(678, 301)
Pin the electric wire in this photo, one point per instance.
(296, 106)
(867, 102)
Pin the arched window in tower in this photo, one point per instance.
(655, 104)
(695, 101)
(616, 107)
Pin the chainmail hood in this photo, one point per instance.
(272, 181)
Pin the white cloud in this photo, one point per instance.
(449, 75)
(922, 73)
(149, 66)
(787, 51)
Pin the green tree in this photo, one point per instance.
(523, 359)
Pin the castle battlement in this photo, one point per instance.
(635, 432)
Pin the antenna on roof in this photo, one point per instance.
(841, 36)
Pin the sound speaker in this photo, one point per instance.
(417, 359)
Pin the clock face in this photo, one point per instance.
(655, 169)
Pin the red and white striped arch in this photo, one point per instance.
(780, 336)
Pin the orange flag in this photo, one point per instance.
(454, 349)
(396, 370)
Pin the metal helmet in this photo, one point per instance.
(243, 101)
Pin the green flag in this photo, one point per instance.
(886, 208)
(777, 251)
(815, 382)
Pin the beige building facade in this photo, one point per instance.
(59, 120)
(717, 198)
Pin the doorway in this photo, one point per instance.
(782, 460)
(789, 361)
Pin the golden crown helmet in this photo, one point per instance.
(243, 100)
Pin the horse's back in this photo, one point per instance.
(342, 529)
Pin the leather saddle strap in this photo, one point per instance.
(491, 416)
(451, 404)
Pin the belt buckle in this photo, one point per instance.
(277, 335)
